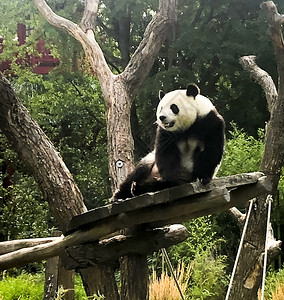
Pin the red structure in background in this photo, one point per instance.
(40, 64)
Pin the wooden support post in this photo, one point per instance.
(56, 277)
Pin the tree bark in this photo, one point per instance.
(118, 90)
(248, 275)
(56, 182)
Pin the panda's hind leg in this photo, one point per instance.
(127, 187)
(130, 186)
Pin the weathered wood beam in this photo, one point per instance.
(168, 196)
(111, 249)
(166, 211)
(10, 246)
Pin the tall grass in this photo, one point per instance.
(30, 287)
(274, 286)
(165, 288)
(25, 286)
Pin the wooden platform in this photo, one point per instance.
(86, 240)
(181, 202)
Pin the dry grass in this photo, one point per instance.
(164, 288)
(279, 292)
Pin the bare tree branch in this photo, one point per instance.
(87, 39)
(274, 17)
(238, 216)
(90, 15)
(261, 77)
(154, 36)
(275, 21)
(10, 246)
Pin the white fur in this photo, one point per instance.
(187, 149)
(148, 159)
(189, 109)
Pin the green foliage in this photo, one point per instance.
(27, 286)
(243, 153)
(208, 279)
(71, 111)
(24, 287)
(19, 210)
(272, 280)
(202, 236)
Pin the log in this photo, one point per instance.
(111, 249)
(162, 213)
(10, 246)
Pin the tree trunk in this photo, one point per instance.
(249, 272)
(120, 142)
(56, 182)
(29, 141)
(118, 90)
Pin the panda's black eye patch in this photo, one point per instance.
(174, 109)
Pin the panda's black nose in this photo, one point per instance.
(162, 118)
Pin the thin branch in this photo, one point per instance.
(87, 39)
(154, 36)
(262, 78)
(90, 15)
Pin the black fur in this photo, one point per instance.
(192, 90)
(209, 130)
(180, 156)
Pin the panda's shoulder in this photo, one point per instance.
(211, 119)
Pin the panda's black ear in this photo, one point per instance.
(192, 90)
(161, 94)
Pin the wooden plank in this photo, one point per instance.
(165, 196)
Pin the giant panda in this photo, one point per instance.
(188, 147)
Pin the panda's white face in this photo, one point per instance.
(178, 109)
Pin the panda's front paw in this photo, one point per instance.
(205, 180)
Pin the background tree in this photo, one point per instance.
(248, 275)
(118, 93)
(230, 29)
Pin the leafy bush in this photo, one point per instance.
(274, 285)
(209, 279)
(202, 232)
(31, 287)
(243, 152)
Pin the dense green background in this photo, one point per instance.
(203, 47)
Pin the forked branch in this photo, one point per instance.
(87, 39)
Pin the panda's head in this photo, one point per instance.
(179, 109)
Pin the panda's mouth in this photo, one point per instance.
(169, 124)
